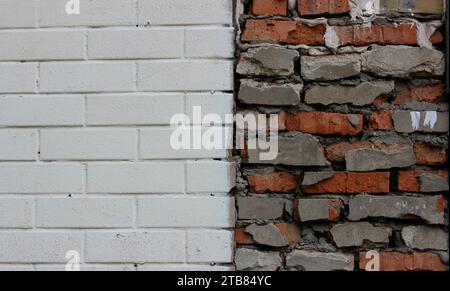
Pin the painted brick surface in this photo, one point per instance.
(86, 102)
(362, 140)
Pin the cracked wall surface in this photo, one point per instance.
(361, 172)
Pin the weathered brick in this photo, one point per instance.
(282, 31)
(342, 182)
(403, 61)
(278, 235)
(425, 237)
(336, 152)
(309, 260)
(381, 120)
(269, 7)
(261, 207)
(254, 260)
(281, 182)
(414, 6)
(289, 233)
(427, 154)
(423, 93)
(360, 95)
(324, 123)
(358, 234)
(272, 94)
(423, 181)
(430, 209)
(394, 261)
(412, 121)
(329, 68)
(308, 7)
(317, 209)
(267, 61)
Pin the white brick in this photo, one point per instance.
(211, 103)
(18, 77)
(209, 246)
(17, 13)
(156, 143)
(16, 212)
(40, 178)
(160, 12)
(37, 247)
(136, 43)
(84, 212)
(88, 144)
(210, 42)
(92, 13)
(141, 109)
(86, 267)
(205, 176)
(135, 177)
(42, 45)
(186, 212)
(87, 77)
(135, 247)
(186, 268)
(18, 145)
(52, 110)
(185, 75)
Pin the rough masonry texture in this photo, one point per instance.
(85, 156)
(363, 135)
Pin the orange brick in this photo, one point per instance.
(394, 261)
(336, 152)
(325, 123)
(280, 182)
(424, 93)
(373, 182)
(427, 154)
(269, 7)
(283, 31)
(408, 181)
(381, 120)
(336, 184)
(308, 7)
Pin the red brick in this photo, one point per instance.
(424, 93)
(381, 120)
(427, 154)
(280, 182)
(373, 182)
(349, 182)
(269, 7)
(336, 152)
(241, 237)
(324, 123)
(394, 261)
(283, 31)
(408, 181)
(290, 231)
(387, 34)
(308, 7)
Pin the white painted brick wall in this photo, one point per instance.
(85, 161)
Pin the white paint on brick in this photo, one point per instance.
(209, 246)
(87, 77)
(18, 145)
(210, 103)
(42, 45)
(18, 13)
(32, 178)
(87, 267)
(92, 13)
(16, 213)
(136, 43)
(127, 109)
(84, 212)
(55, 110)
(186, 268)
(37, 247)
(210, 42)
(88, 144)
(170, 12)
(213, 212)
(18, 77)
(16, 268)
(135, 247)
(155, 143)
(207, 176)
(155, 177)
(194, 75)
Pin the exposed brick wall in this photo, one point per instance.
(363, 141)
(85, 156)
